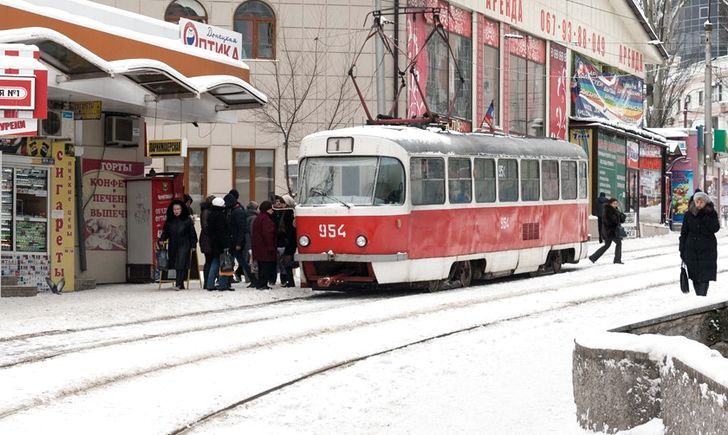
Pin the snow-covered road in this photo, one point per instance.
(494, 358)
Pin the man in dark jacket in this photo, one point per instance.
(264, 245)
(698, 245)
(613, 218)
(601, 202)
(220, 239)
(238, 228)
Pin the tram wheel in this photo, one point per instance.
(556, 261)
(435, 285)
(464, 273)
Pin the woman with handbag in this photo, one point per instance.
(180, 231)
(220, 239)
(698, 245)
(612, 231)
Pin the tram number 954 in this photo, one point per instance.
(331, 231)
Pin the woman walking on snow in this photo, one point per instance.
(698, 246)
(611, 221)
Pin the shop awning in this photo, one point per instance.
(232, 92)
(146, 87)
(59, 51)
(157, 77)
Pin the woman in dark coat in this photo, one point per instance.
(698, 246)
(220, 237)
(264, 245)
(180, 231)
(205, 247)
(611, 220)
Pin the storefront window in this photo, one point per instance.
(527, 96)
(438, 74)
(443, 80)
(194, 168)
(463, 50)
(190, 9)
(254, 165)
(518, 93)
(491, 88)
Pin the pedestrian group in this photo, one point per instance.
(259, 238)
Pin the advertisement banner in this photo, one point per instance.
(557, 92)
(104, 191)
(612, 167)
(63, 214)
(215, 39)
(18, 127)
(605, 95)
(633, 155)
(681, 188)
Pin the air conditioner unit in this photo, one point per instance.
(122, 131)
(58, 124)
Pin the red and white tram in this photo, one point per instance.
(403, 205)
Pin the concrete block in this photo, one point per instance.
(18, 291)
(9, 280)
(614, 390)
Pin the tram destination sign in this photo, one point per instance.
(167, 148)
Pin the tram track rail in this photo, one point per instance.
(325, 329)
(187, 428)
(44, 352)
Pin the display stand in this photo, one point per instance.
(193, 266)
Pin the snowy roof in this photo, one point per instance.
(15, 62)
(232, 91)
(623, 128)
(647, 27)
(431, 140)
(155, 76)
(159, 78)
(670, 133)
(41, 37)
(139, 32)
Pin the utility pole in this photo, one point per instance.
(708, 134)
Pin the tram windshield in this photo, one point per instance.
(352, 181)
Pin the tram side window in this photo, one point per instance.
(550, 180)
(460, 182)
(582, 180)
(390, 182)
(484, 173)
(568, 180)
(507, 180)
(428, 181)
(529, 180)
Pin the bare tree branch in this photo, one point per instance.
(295, 106)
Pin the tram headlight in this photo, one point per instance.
(304, 241)
(361, 241)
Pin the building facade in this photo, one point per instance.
(537, 64)
(689, 43)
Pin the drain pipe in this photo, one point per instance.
(395, 68)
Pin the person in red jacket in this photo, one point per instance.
(264, 245)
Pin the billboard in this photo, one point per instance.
(613, 97)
